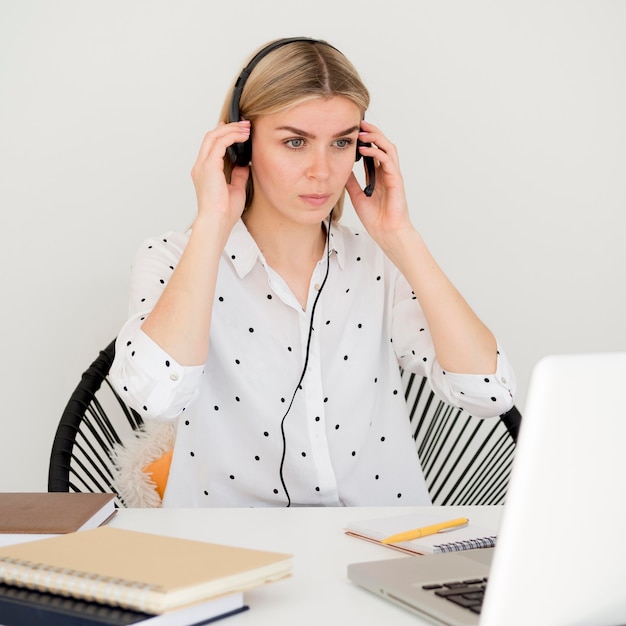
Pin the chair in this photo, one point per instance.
(94, 420)
(466, 460)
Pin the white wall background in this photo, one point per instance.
(509, 117)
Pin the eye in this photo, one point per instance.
(342, 144)
(295, 143)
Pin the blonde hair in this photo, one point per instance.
(297, 72)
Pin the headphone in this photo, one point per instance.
(241, 153)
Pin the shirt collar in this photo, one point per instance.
(244, 252)
(242, 249)
(338, 243)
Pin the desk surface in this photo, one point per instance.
(319, 591)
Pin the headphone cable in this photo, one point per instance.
(306, 361)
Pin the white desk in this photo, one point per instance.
(319, 591)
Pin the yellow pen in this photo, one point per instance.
(427, 530)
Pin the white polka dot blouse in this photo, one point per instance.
(289, 410)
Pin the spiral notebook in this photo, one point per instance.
(141, 571)
(467, 538)
(28, 607)
(561, 553)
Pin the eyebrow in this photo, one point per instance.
(303, 133)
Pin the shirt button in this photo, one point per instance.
(174, 376)
(503, 381)
(316, 287)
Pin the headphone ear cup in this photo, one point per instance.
(360, 143)
(240, 153)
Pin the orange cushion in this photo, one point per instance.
(159, 471)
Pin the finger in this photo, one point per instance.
(379, 141)
(217, 140)
(356, 192)
(375, 135)
(240, 176)
(384, 154)
(365, 125)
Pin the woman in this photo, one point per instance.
(272, 334)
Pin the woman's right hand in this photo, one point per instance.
(215, 196)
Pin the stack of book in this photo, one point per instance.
(26, 516)
(112, 576)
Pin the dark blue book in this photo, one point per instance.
(27, 607)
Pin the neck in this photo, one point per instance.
(292, 250)
(281, 241)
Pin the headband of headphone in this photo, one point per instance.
(241, 153)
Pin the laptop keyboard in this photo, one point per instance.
(468, 594)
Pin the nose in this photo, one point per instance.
(319, 167)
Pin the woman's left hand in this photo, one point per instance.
(385, 214)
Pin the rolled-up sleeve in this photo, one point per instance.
(146, 377)
(150, 380)
(481, 395)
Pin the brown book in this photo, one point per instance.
(54, 513)
(137, 570)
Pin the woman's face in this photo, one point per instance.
(302, 157)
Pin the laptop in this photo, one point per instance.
(560, 556)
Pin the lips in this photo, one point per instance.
(316, 199)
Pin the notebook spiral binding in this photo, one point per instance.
(470, 544)
(80, 585)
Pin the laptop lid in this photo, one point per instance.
(560, 557)
(563, 523)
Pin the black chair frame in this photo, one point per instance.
(465, 460)
(81, 456)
